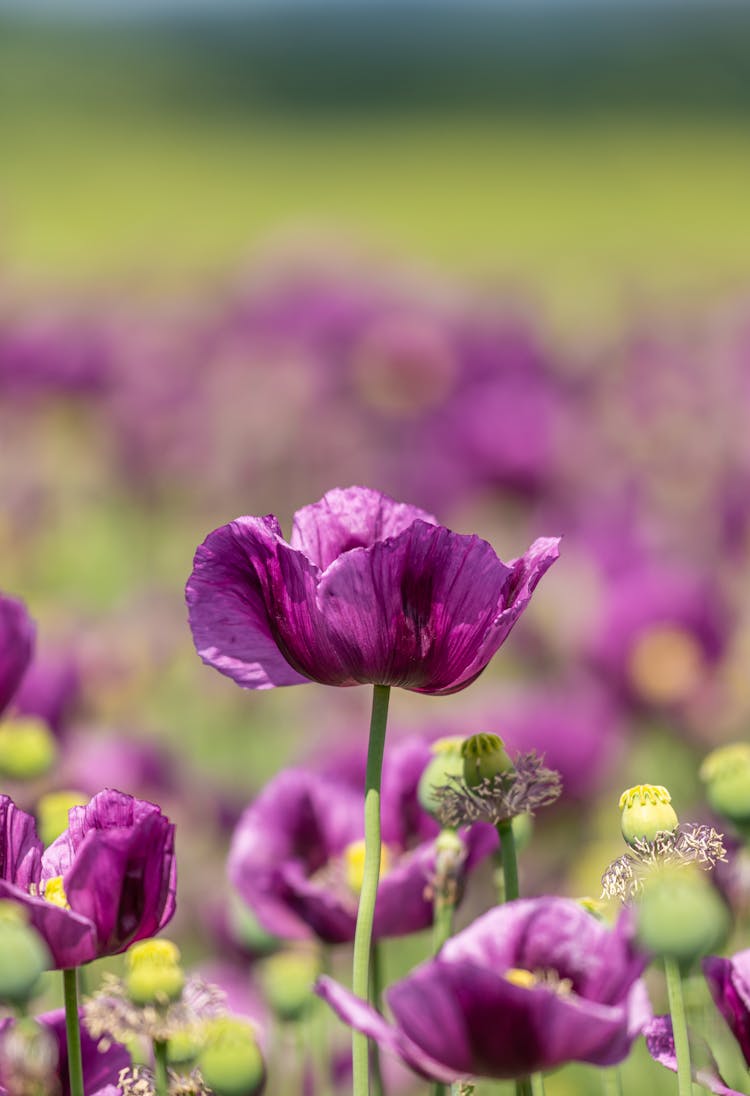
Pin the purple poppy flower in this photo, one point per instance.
(108, 880)
(729, 982)
(527, 987)
(100, 1066)
(50, 690)
(16, 646)
(660, 1043)
(295, 852)
(367, 590)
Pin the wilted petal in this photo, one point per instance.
(362, 1017)
(16, 646)
(229, 614)
(350, 517)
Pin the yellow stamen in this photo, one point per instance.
(520, 977)
(54, 892)
(354, 864)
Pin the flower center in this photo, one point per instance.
(665, 664)
(530, 979)
(54, 892)
(354, 864)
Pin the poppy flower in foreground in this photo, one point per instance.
(527, 987)
(297, 853)
(366, 590)
(108, 880)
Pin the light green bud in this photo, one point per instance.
(484, 758)
(646, 811)
(154, 974)
(287, 979)
(726, 773)
(52, 813)
(27, 748)
(23, 955)
(680, 915)
(446, 762)
(230, 1062)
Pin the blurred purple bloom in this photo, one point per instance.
(660, 1043)
(50, 690)
(16, 646)
(108, 880)
(100, 1067)
(288, 855)
(729, 982)
(367, 590)
(526, 987)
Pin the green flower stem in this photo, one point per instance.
(161, 1074)
(537, 1084)
(443, 903)
(366, 910)
(523, 1087)
(679, 1027)
(73, 1031)
(611, 1081)
(376, 1000)
(510, 863)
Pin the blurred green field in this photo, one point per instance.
(583, 214)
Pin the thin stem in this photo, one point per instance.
(368, 894)
(510, 863)
(73, 1032)
(447, 860)
(439, 1090)
(537, 1084)
(679, 1027)
(611, 1081)
(523, 1087)
(376, 995)
(161, 1074)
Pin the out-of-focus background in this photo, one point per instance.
(492, 258)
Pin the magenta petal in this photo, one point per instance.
(70, 938)
(16, 646)
(229, 613)
(20, 848)
(362, 1017)
(350, 517)
(414, 610)
(660, 1044)
(729, 983)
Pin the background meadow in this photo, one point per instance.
(493, 259)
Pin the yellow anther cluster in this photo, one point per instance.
(520, 977)
(644, 794)
(354, 864)
(54, 892)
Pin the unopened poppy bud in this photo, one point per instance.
(523, 828)
(646, 812)
(23, 955)
(27, 748)
(726, 774)
(230, 1062)
(484, 757)
(445, 764)
(287, 982)
(680, 915)
(183, 1048)
(154, 973)
(52, 813)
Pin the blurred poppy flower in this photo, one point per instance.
(527, 987)
(16, 646)
(26, 1054)
(296, 856)
(107, 881)
(367, 590)
(660, 1044)
(729, 982)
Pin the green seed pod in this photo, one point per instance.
(287, 979)
(27, 748)
(183, 1048)
(681, 916)
(154, 973)
(446, 762)
(23, 955)
(230, 1062)
(726, 773)
(646, 812)
(484, 757)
